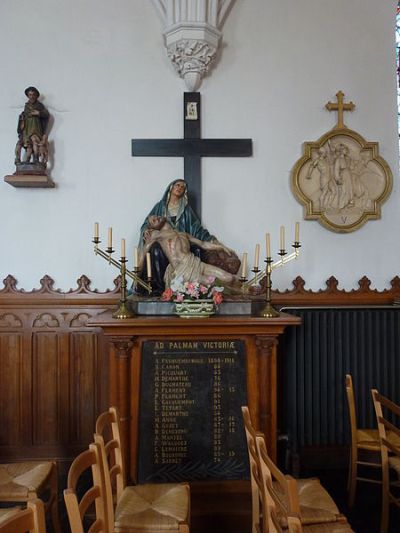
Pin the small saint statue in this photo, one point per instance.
(32, 145)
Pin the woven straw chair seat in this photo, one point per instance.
(17, 480)
(152, 507)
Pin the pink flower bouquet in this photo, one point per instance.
(192, 290)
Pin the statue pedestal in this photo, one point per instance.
(154, 306)
(30, 180)
(30, 174)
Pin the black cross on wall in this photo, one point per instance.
(192, 148)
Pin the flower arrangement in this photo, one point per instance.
(192, 290)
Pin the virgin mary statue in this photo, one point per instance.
(174, 205)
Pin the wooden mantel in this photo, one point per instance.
(125, 339)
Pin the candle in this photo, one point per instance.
(282, 239)
(135, 257)
(297, 232)
(148, 261)
(122, 247)
(268, 244)
(256, 256)
(244, 264)
(110, 237)
(96, 230)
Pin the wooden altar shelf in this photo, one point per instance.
(126, 338)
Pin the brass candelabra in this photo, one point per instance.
(268, 311)
(254, 283)
(123, 311)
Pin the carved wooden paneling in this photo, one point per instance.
(84, 374)
(46, 393)
(54, 375)
(11, 362)
(53, 380)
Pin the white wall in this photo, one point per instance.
(104, 75)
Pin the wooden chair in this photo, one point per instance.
(30, 520)
(29, 480)
(280, 502)
(390, 453)
(79, 504)
(365, 441)
(315, 505)
(146, 508)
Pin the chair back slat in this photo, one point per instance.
(92, 460)
(107, 426)
(254, 467)
(389, 435)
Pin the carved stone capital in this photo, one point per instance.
(192, 33)
(191, 59)
(265, 344)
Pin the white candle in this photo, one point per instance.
(244, 264)
(123, 248)
(96, 230)
(110, 237)
(148, 261)
(297, 232)
(268, 244)
(282, 239)
(135, 257)
(256, 256)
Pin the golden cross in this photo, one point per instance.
(340, 107)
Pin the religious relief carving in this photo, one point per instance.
(32, 148)
(341, 179)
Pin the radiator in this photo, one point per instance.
(314, 359)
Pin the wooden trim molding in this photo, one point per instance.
(333, 296)
(297, 295)
(47, 293)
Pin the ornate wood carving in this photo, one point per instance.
(79, 320)
(265, 344)
(46, 320)
(298, 294)
(47, 291)
(9, 320)
(332, 295)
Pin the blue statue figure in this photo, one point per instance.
(174, 205)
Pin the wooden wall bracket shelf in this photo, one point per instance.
(30, 181)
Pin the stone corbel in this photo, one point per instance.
(192, 33)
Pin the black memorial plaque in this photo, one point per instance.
(190, 425)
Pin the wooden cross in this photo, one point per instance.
(192, 148)
(340, 107)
